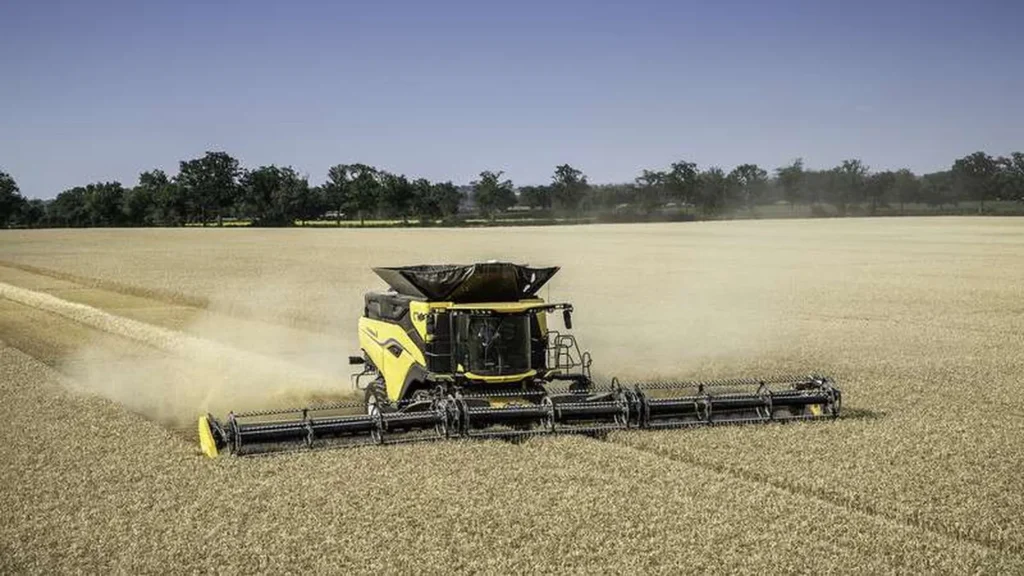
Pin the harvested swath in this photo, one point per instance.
(192, 376)
(171, 341)
(158, 294)
(129, 497)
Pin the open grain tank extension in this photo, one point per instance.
(466, 351)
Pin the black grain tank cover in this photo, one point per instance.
(483, 282)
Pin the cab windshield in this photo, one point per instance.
(493, 345)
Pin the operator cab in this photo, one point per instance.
(493, 344)
(506, 342)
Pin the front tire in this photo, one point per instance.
(376, 398)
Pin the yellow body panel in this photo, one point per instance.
(509, 307)
(501, 379)
(206, 441)
(419, 310)
(375, 338)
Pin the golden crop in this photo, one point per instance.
(919, 320)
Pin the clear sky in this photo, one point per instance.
(104, 89)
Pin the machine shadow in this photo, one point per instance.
(862, 414)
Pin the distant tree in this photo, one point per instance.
(259, 189)
(976, 176)
(297, 200)
(139, 207)
(33, 213)
(425, 205)
(650, 190)
(365, 187)
(1017, 159)
(352, 189)
(536, 196)
(273, 196)
(937, 189)
(791, 180)
(878, 186)
(817, 185)
(611, 196)
(68, 208)
(683, 182)
(907, 187)
(12, 203)
(751, 182)
(714, 190)
(103, 203)
(153, 201)
(210, 185)
(169, 199)
(1011, 170)
(311, 203)
(435, 201)
(338, 191)
(448, 197)
(98, 204)
(397, 196)
(569, 187)
(848, 184)
(213, 186)
(492, 194)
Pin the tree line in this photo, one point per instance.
(215, 187)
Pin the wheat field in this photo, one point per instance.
(114, 340)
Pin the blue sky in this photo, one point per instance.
(105, 89)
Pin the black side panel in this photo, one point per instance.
(439, 350)
(416, 378)
(538, 346)
(395, 307)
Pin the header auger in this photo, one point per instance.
(466, 352)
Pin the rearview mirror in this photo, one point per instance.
(567, 318)
(356, 360)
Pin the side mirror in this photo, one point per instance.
(356, 360)
(567, 318)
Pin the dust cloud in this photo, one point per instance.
(216, 363)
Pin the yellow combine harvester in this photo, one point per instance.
(457, 351)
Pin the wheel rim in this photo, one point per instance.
(376, 434)
(549, 419)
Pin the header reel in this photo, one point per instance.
(596, 410)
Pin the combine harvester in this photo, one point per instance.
(458, 351)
